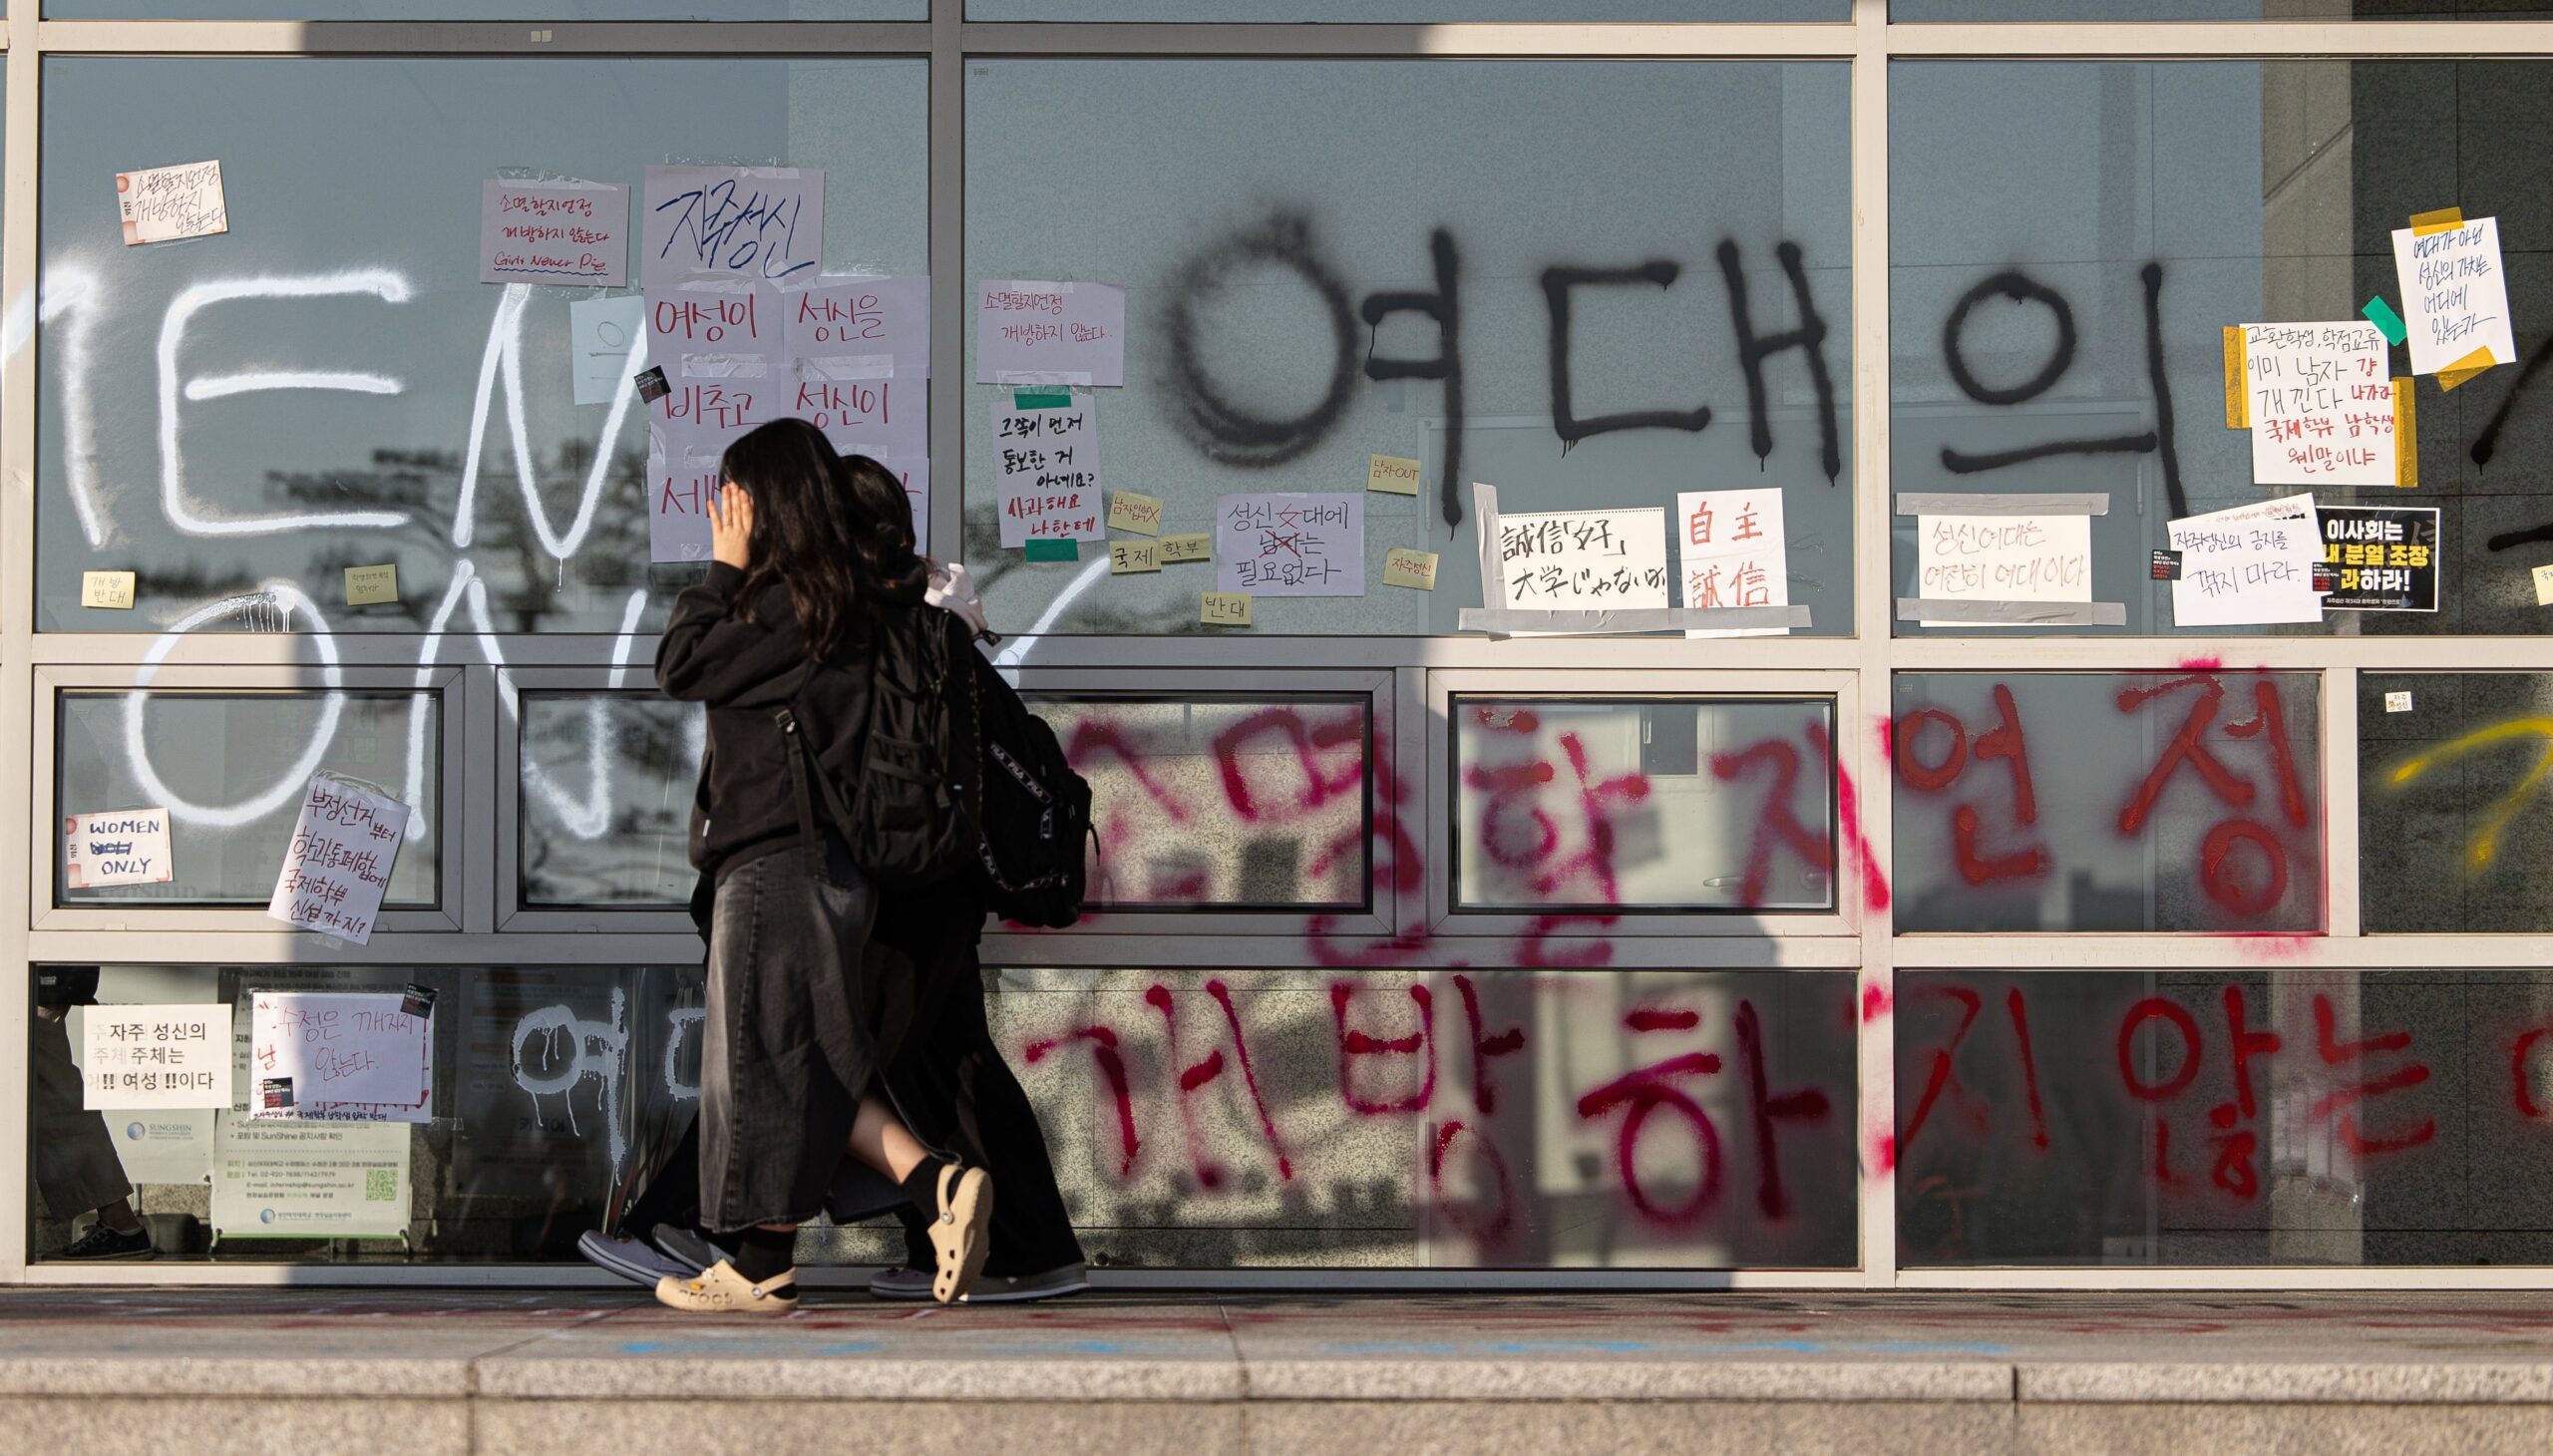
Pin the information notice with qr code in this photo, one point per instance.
(285, 1180)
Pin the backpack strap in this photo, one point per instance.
(796, 751)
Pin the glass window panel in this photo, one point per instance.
(1250, 366)
(605, 812)
(232, 769)
(1372, 1135)
(1229, 803)
(2201, 195)
(488, 9)
(2042, 10)
(1406, 12)
(351, 263)
(1644, 802)
(549, 1086)
(2224, 1118)
(2451, 830)
(2133, 801)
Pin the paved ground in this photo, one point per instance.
(305, 1370)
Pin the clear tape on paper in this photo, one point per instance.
(844, 366)
(1931, 502)
(2013, 613)
(1081, 377)
(1504, 621)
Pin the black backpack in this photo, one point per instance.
(1036, 811)
(905, 794)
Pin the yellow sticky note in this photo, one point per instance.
(2544, 586)
(1138, 513)
(368, 584)
(2463, 370)
(1224, 608)
(1133, 556)
(2406, 437)
(1408, 568)
(106, 588)
(2424, 223)
(1391, 473)
(1178, 548)
(2238, 398)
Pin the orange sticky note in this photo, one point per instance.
(2424, 223)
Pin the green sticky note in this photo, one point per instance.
(2381, 314)
(1053, 550)
(1041, 399)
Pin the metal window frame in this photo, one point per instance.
(1406, 676)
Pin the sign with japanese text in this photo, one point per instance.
(1583, 561)
(2384, 558)
(338, 864)
(155, 1056)
(1289, 545)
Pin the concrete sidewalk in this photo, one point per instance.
(307, 1370)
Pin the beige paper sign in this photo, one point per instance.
(1412, 568)
(368, 584)
(1197, 547)
(106, 588)
(1141, 514)
(1224, 608)
(1128, 556)
(1391, 473)
(2544, 586)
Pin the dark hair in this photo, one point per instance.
(816, 534)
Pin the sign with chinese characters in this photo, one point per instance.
(1046, 467)
(2248, 566)
(2455, 298)
(2384, 557)
(1583, 561)
(554, 232)
(339, 1055)
(1049, 333)
(765, 222)
(1730, 550)
(338, 864)
(1289, 545)
(155, 1056)
(2320, 404)
(877, 325)
(2003, 559)
(309, 1180)
(120, 846)
(165, 203)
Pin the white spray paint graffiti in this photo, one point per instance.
(572, 1049)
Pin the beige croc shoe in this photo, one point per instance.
(957, 1236)
(719, 1290)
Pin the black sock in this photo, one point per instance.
(922, 1186)
(761, 1253)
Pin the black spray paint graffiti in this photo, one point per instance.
(1232, 436)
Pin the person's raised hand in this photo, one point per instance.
(731, 526)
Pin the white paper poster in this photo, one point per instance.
(881, 324)
(338, 864)
(694, 325)
(873, 416)
(1583, 561)
(2454, 298)
(309, 1180)
(1290, 544)
(155, 1056)
(1732, 551)
(314, 1050)
(763, 222)
(165, 203)
(2321, 402)
(567, 232)
(2003, 559)
(681, 479)
(159, 1145)
(1049, 333)
(2249, 565)
(1046, 464)
(607, 345)
(118, 847)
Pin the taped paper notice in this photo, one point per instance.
(2543, 585)
(2320, 400)
(309, 1180)
(314, 1052)
(107, 589)
(1194, 546)
(567, 232)
(1392, 475)
(2454, 298)
(843, 314)
(700, 325)
(2398, 702)
(2002, 558)
(683, 480)
(1141, 514)
(366, 585)
(1046, 468)
(1125, 557)
(2237, 393)
(1415, 570)
(165, 203)
(338, 864)
(2249, 565)
(119, 847)
(1049, 333)
(606, 345)
(2382, 557)
(759, 222)
(1222, 610)
(1560, 561)
(1732, 551)
(1289, 545)
(155, 1056)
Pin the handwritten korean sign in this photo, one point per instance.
(1287, 544)
(701, 319)
(554, 232)
(1730, 550)
(682, 477)
(2455, 299)
(2003, 559)
(1049, 333)
(1582, 561)
(2322, 404)
(885, 321)
(860, 415)
(155, 1056)
(330, 1053)
(2248, 566)
(1046, 464)
(762, 222)
(338, 864)
(122, 847)
(165, 203)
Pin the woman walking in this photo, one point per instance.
(801, 1024)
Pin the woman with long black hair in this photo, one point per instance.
(801, 1024)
